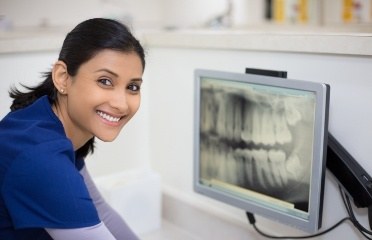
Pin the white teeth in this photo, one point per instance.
(241, 162)
(247, 156)
(277, 161)
(282, 133)
(263, 170)
(291, 113)
(221, 116)
(256, 128)
(246, 134)
(237, 121)
(293, 165)
(207, 121)
(229, 111)
(257, 123)
(267, 127)
(231, 165)
(108, 117)
(262, 122)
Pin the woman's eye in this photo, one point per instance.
(105, 82)
(134, 87)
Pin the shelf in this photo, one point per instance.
(310, 39)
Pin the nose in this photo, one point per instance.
(119, 101)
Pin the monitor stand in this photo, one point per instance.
(352, 176)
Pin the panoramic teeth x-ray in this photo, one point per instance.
(257, 140)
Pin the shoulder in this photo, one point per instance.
(44, 158)
(40, 182)
(44, 184)
(29, 127)
(36, 116)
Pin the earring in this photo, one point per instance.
(62, 90)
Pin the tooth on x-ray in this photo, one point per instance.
(264, 175)
(238, 118)
(267, 127)
(292, 165)
(281, 131)
(247, 120)
(277, 161)
(291, 113)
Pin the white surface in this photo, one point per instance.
(264, 38)
(197, 217)
(69, 12)
(136, 196)
(32, 39)
(292, 40)
(169, 231)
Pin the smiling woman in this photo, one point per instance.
(93, 90)
(111, 83)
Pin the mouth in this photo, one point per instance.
(108, 117)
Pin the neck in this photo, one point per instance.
(78, 140)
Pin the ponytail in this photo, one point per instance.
(23, 99)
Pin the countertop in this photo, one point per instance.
(305, 40)
(282, 41)
(169, 231)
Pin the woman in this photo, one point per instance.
(93, 90)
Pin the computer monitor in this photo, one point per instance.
(260, 144)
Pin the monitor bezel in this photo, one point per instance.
(322, 92)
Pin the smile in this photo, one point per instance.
(108, 117)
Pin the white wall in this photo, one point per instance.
(21, 68)
(171, 116)
(197, 13)
(141, 13)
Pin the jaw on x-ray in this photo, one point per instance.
(258, 140)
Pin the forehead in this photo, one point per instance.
(117, 61)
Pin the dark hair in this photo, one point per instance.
(80, 45)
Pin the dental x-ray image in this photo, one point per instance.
(258, 138)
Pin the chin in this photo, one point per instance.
(107, 138)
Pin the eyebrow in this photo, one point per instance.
(116, 75)
(137, 80)
(108, 71)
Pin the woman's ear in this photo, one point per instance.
(60, 76)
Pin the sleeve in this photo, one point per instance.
(42, 188)
(107, 214)
(96, 232)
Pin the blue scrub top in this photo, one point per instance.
(40, 183)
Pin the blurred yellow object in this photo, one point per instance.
(347, 10)
(303, 11)
(279, 11)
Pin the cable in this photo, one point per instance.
(353, 219)
(253, 222)
(346, 200)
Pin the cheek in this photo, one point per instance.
(80, 103)
(134, 103)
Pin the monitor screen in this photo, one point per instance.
(260, 144)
